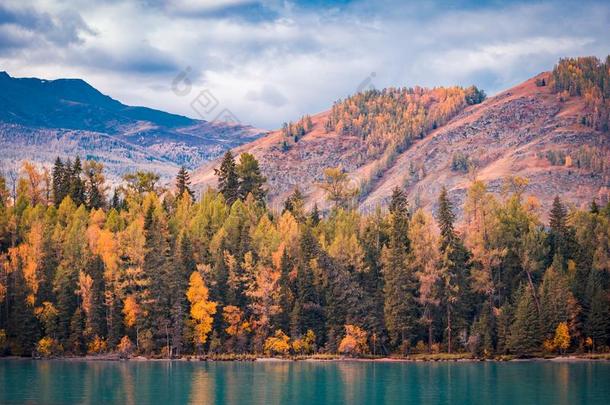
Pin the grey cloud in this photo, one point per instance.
(268, 94)
(299, 58)
(61, 29)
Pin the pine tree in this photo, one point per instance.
(183, 183)
(251, 181)
(295, 204)
(400, 306)
(314, 215)
(559, 232)
(453, 270)
(228, 179)
(446, 218)
(185, 266)
(525, 337)
(76, 185)
(554, 301)
(95, 191)
(59, 186)
(597, 325)
(157, 268)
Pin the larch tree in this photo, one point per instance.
(202, 309)
(424, 260)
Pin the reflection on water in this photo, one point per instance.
(63, 382)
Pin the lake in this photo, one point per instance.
(164, 382)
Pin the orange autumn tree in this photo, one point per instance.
(355, 341)
(132, 311)
(237, 328)
(202, 309)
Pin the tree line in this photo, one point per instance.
(156, 271)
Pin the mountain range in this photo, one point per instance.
(415, 138)
(42, 119)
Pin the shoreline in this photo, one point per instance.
(314, 359)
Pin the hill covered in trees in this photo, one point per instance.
(156, 272)
(549, 129)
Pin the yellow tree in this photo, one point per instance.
(237, 327)
(354, 342)
(31, 254)
(265, 295)
(132, 311)
(337, 186)
(479, 211)
(202, 309)
(34, 183)
(562, 337)
(278, 344)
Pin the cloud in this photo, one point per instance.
(269, 95)
(272, 61)
(60, 29)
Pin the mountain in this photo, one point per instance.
(422, 139)
(41, 119)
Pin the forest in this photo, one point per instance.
(587, 77)
(160, 272)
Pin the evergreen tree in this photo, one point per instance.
(157, 268)
(295, 204)
(95, 191)
(76, 185)
(525, 337)
(559, 237)
(251, 181)
(454, 271)
(314, 215)
(228, 179)
(183, 183)
(400, 307)
(59, 182)
(597, 325)
(185, 266)
(555, 301)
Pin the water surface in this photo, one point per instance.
(99, 382)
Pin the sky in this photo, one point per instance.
(266, 62)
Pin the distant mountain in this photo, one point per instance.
(41, 119)
(421, 139)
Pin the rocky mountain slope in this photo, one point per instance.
(528, 131)
(43, 119)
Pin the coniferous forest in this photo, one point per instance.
(151, 270)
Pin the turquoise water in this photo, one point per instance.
(68, 382)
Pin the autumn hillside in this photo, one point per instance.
(549, 129)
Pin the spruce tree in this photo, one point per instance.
(400, 306)
(314, 215)
(525, 337)
(251, 181)
(183, 183)
(59, 186)
(228, 179)
(554, 301)
(559, 236)
(76, 185)
(454, 270)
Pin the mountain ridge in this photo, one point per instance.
(509, 134)
(41, 119)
